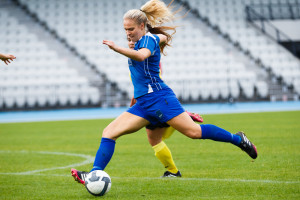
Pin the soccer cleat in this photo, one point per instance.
(247, 146)
(169, 174)
(79, 176)
(196, 117)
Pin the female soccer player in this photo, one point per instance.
(156, 102)
(157, 133)
(6, 58)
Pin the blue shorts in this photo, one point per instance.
(157, 107)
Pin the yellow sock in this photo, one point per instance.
(169, 131)
(163, 153)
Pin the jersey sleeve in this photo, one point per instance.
(149, 43)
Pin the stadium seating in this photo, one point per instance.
(194, 61)
(196, 67)
(230, 16)
(39, 77)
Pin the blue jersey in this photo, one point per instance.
(145, 75)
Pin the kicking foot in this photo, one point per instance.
(79, 176)
(196, 117)
(247, 146)
(169, 174)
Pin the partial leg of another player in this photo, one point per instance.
(162, 152)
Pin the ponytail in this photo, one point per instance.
(157, 12)
(163, 30)
(153, 14)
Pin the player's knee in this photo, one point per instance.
(154, 141)
(194, 134)
(111, 133)
(107, 133)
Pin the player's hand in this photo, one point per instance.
(7, 58)
(110, 44)
(132, 102)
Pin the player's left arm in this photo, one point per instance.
(139, 55)
(162, 39)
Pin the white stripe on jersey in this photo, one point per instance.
(146, 67)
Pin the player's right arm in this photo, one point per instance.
(139, 55)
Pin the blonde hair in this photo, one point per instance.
(157, 12)
(153, 14)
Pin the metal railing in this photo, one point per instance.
(263, 24)
(277, 11)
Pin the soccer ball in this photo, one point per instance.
(98, 183)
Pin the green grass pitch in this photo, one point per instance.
(34, 160)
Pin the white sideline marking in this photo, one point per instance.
(213, 179)
(178, 179)
(88, 159)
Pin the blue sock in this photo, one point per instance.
(104, 154)
(218, 134)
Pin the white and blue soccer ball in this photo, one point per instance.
(98, 183)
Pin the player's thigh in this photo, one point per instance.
(184, 124)
(124, 124)
(155, 136)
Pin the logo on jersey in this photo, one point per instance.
(150, 88)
